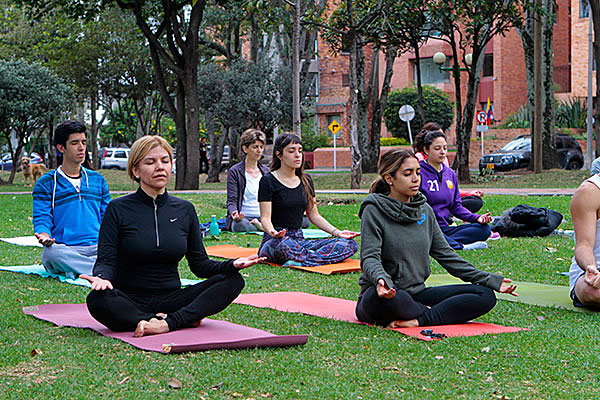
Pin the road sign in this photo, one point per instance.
(482, 117)
(406, 113)
(334, 127)
(482, 128)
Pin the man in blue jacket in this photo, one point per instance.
(68, 206)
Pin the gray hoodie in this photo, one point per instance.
(396, 242)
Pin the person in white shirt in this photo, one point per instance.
(243, 213)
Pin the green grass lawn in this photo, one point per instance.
(554, 360)
(119, 180)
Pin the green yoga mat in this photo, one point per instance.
(538, 294)
(308, 233)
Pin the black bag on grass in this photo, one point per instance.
(524, 220)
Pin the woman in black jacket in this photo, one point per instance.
(143, 237)
(243, 213)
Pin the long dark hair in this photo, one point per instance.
(280, 143)
(429, 127)
(389, 163)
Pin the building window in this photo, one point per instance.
(430, 73)
(488, 65)
(345, 80)
(584, 10)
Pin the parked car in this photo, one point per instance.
(6, 163)
(517, 154)
(114, 157)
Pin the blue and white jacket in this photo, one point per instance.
(71, 217)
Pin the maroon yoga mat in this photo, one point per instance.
(212, 334)
(343, 310)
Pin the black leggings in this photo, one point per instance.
(450, 304)
(120, 311)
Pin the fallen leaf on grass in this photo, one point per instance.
(217, 386)
(540, 318)
(175, 383)
(489, 379)
(550, 250)
(35, 352)
(485, 349)
(33, 288)
(122, 381)
(439, 357)
(236, 394)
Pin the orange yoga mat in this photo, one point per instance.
(343, 310)
(233, 251)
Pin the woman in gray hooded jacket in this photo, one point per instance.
(399, 233)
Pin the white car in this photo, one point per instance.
(115, 158)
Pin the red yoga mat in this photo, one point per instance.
(343, 310)
(233, 251)
(211, 335)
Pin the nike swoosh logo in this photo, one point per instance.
(172, 219)
(423, 218)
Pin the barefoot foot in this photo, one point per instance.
(411, 323)
(152, 327)
(196, 324)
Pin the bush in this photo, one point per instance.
(436, 104)
(392, 141)
(516, 120)
(571, 113)
(310, 139)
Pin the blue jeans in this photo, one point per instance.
(458, 236)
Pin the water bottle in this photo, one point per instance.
(214, 226)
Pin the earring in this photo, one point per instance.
(391, 183)
(137, 177)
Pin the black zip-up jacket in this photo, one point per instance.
(142, 240)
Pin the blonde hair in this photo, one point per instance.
(141, 148)
(389, 163)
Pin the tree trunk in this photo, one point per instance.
(420, 110)
(296, 122)
(180, 133)
(357, 71)
(192, 140)
(465, 127)
(549, 155)
(379, 101)
(51, 149)
(94, 129)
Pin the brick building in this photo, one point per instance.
(503, 76)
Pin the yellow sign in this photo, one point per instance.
(334, 127)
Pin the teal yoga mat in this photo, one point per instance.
(39, 270)
(538, 294)
(308, 233)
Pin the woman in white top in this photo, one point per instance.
(243, 213)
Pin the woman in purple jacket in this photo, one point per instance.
(243, 214)
(440, 185)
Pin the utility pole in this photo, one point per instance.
(536, 141)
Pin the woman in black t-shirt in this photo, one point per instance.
(143, 237)
(284, 195)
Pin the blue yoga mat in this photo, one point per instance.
(39, 270)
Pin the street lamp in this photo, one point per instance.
(440, 58)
